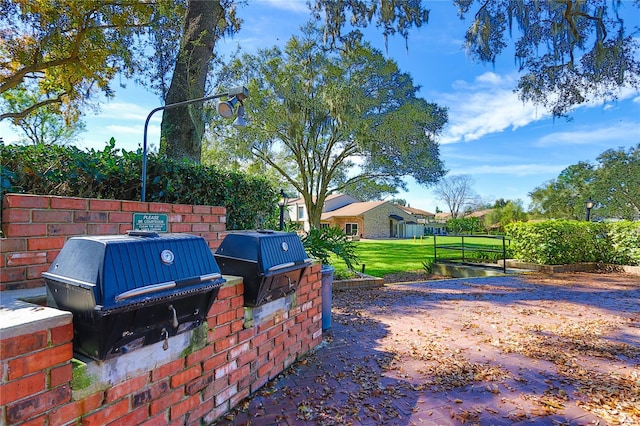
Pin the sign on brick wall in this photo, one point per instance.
(150, 222)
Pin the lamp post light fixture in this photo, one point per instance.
(224, 108)
(589, 205)
(283, 203)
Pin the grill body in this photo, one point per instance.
(128, 291)
(271, 263)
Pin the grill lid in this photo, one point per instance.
(129, 269)
(272, 251)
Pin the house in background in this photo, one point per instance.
(373, 219)
(370, 219)
(431, 225)
(297, 211)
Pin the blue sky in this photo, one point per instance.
(507, 147)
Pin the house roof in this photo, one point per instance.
(415, 211)
(354, 209)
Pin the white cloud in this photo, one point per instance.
(620, 134)
(123, 111)
(513, 170)
(486, 106)
(297, 6)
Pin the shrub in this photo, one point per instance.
(116, 174)
(322, 243)
(557, 242)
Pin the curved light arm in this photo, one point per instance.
(241, 92)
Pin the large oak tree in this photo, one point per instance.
(327, 119)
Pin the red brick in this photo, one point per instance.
(25, 230)
(28, 258)
(199, 227)
(26, 201)
(48, 216)
(181, 208)
(159, 420)
(69, 203)
(204, 407)
(9, 245)
(119, 217)
(167, 370)
(46, 243)
(224, 344)
(107, 414)
(179, 227)
(147, 395)
(104, 205)
(66, 229)
(51, 255)
(159, 208)
(225, 317)
(126, 388)
(92, 402)
(216, 362)
(219, 210)
(62, 334)
(219, 333)
(39, 361)
(186, 375)
(199, 355)
(124, 228)
(65, 413)
(21, 388)
(197, 384)
(38, 421)
(60, 375)
(134, 206)
(248, 357)
(183, 407)
(17, 216)
(133, 418)
(19, 345)
(102, 228)
(30, 407)
(12, 275)
(166, 401)
(90, 217)
(175, 218)
(206, 210)
(239, 374)
(225, 369)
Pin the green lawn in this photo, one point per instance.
(382, 257)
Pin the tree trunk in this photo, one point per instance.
(183, 127)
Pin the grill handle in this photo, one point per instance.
(146, 289)
(286, 265)
(165, 286)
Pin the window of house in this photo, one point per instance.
(300, 212)
(351, 229)
(324, 225)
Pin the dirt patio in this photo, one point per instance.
(528, 349)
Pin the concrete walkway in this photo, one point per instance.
(533, 349)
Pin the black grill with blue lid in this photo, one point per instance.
(128, 291)
(271, 263)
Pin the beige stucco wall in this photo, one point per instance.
(377, 221)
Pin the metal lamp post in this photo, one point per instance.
(225, 109)
(589, 205)
(283, 203)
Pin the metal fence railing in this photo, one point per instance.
(471, 249)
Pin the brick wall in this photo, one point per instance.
(36, 369)
(376, 220)
(35, 227)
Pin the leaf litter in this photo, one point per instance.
(475, 352)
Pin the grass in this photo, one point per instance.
(382, 257)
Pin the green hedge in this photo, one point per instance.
(558, 242)
(116, 174)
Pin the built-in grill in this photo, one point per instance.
(128, 291)
(271, 263)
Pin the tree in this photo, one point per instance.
(613, 182)
(616, 186)
(505, 212)
(457, 193)
(43, 125)
(64, 52)
(569, 51)
(314, 112)
(564, 197)
(182, 128)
